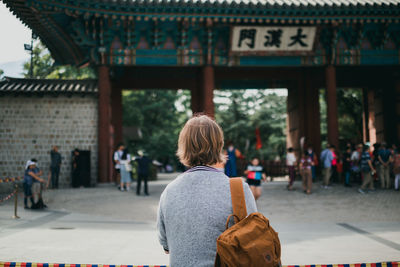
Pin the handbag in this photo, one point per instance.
(128, 166)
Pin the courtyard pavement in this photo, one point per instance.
(104, 226)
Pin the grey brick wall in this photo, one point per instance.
(30, 126)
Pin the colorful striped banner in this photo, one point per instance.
(30, 264)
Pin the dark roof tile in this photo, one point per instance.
(50, 86)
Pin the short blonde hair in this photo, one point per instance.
(200, 142)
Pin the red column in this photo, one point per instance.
(116, 114)
(196, 100)
(292, 118)
(333, 125)
(371, 117)
(104, 123)
(313, 120)
(208, 84)
(365, 116)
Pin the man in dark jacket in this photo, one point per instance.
(55, 165)
(143, 172)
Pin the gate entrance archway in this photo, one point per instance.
(206, 45)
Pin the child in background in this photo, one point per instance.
(255, 173)
(305, 171)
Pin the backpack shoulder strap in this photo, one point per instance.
(238, 200)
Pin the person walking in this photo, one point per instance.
(326, 159)
(143, 172)
(55, 165)
(125, 169)
(194, 208)
(367, 170)
(255, 173)
(291, 164)
(305, 172)
(384, 160)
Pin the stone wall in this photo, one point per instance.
(30, 126)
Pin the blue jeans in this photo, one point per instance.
(347, 177)
(313, 173)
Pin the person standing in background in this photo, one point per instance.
(396, 169)
(367, 170)
(233, 155)
(314, 165)
(291, 163)
(384, 160)
(55, 165)
(355, 163)
(76, 167)
(125, 168)
(117, 158)
(143, 172)
(305, 172)
(347, 166)
(30, 175)
(326, 159)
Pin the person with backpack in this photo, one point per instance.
(194, 208)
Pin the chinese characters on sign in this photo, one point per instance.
(246, 39)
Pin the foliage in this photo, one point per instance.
(44, 68)
(1, 73)
(240, 113)
(350, 110)
(156, 114)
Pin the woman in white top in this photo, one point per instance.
(291, 162)
(125, 168)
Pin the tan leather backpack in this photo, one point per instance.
(251, 241)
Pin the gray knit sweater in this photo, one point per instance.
(192, 214)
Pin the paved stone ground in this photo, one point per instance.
(103, 225)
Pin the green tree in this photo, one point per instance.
(44, 67)
(1, 73)
(350, 109)
(240, 113)
(156, 114)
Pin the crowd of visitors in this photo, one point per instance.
(364, 165)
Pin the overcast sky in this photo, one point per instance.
(13, 35)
